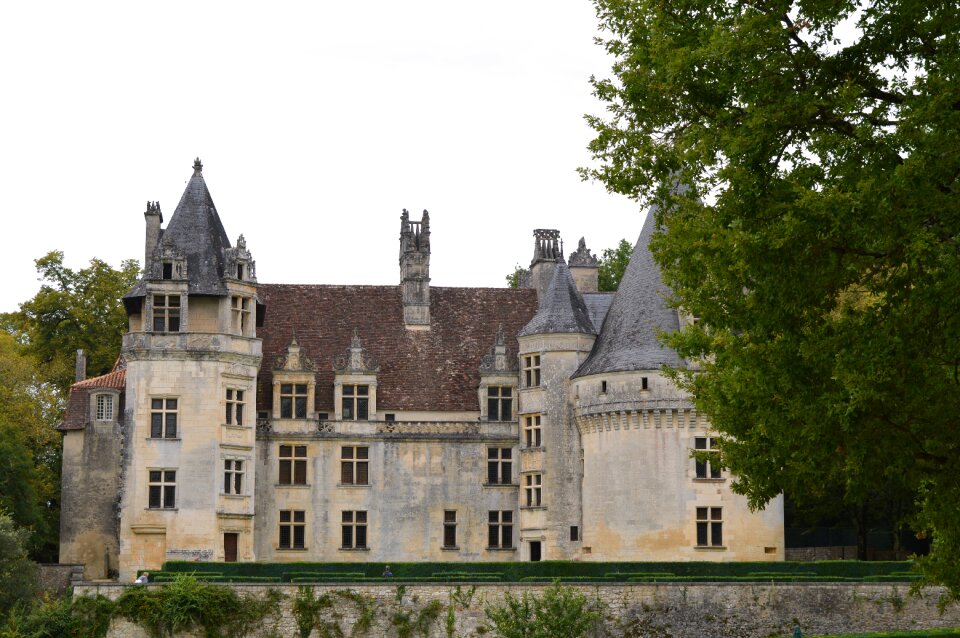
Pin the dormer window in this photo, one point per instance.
(356, 402)
(499, 403)
(240, 271)
(104, 407)
(167, 270)
(293, 401)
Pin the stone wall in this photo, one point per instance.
(55, 578)
(730, 610)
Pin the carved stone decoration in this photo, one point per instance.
(294, 360)
(547, 245)
(240, 255)
(498, 359)
(357, 359)
(582, 256)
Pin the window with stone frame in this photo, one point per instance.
(533, 489)
(531, 430)
(233, 476)
(235, 406)
(166, 313)
(293, 465)
(499, 465)
(500, 529)
(104, 409)
(293, 400)
(162, 489)
(355, 402)
(354, 465)
(531, 370)
(163, 418)
(709, 527)
(240, 314)
(499, 403)
(450, 529)
(707, 468)
(353, 530)
(293, 529)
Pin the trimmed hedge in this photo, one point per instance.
(922, 633)
(873, 571)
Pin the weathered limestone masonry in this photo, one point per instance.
(279, 422)
(730, 610)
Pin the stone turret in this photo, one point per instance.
(585, 268)
(547, 251)
(415, 270)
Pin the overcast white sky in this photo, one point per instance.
(316, 122)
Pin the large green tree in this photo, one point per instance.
(805, 158)
(613, 263)
(74, 309)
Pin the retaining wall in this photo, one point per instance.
(631, 610)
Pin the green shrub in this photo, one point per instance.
(560, 613)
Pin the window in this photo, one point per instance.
(234, 407)
(167, 270)
(239, 271)
(162, 489)
(166, 313)
(603, 387)
(163, 418)
(292, 529)
(104, 407)
(709, 527)
(531, 370)
(293, 400)
(354, 466)
(356, 399)
(389, 417)
(533, 489)
(240, 310)
(706, 468)
(233, 476)
(499, 403)
(500, 529)
(293, 465)
(643, 383)
(499, 465)
(450, 528)
(354, 530)
(531, 431)
(574, 533)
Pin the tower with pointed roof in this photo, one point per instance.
(192, 355)
(392, 423)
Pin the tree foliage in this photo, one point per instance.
(74, 309)
(613, 263)
(824, 258)
(562, 612)
(515, 279)
(18, 575)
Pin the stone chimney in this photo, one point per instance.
(154, 218)
(585, 268)
(80, 371)
(547, 251)
(415, 270)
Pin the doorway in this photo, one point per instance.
(230, 547)
(534, 551)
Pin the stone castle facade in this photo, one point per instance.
(273, 422)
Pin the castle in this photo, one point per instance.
(273, 422)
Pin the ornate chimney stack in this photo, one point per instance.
(415, 270)
(547, 251)
(154, 218)
(585, 268)
(80, 370)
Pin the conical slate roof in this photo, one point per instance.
(562, 310)
(628, 338)
(196, 233)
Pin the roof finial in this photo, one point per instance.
(197, 166)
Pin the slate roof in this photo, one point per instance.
(598, 303)
(436, 369)
(196, 231)
(628, 339)
(563, 309)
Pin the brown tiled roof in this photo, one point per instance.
(78, 407)
(436, 369)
